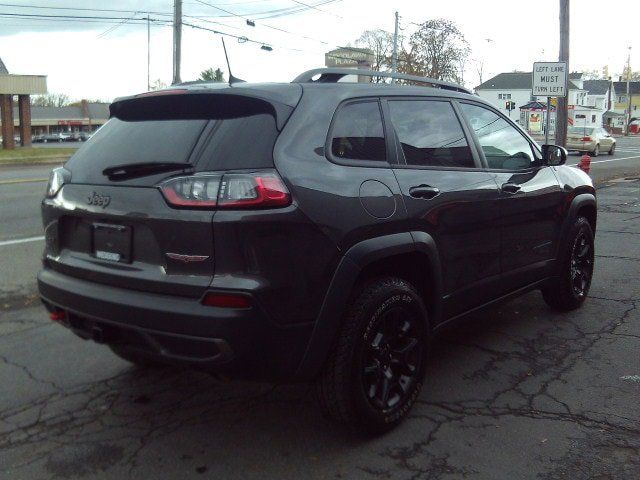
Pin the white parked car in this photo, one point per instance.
(592, 140)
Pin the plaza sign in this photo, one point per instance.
(550, 79)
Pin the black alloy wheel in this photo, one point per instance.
(392, 358)
(375, 371)
(581, 264)
(570, 287)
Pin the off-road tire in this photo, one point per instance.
(342, 384)
(561, 293)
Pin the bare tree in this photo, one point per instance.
(50, 100)
(479, 66)
(437, 49)
(380, 43)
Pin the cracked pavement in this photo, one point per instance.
(516, 392)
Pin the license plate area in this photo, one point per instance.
(112, 242)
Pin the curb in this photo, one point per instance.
(18, 161)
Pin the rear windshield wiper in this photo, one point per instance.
(133, 170)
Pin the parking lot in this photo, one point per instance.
(515, 392)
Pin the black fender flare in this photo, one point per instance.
(579, 201)
(336, 299)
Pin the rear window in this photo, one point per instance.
(120, 142)
(581, 130)
(215, 144)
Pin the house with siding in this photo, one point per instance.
(517, 87)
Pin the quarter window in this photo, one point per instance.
(503, 146)
(430, 134)
(358, 133)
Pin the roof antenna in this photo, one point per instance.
(232, 79)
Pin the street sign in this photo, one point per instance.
(550, 79)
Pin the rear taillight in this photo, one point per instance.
(586, 139)
(226, 300)
(235, 190)
(57, 178)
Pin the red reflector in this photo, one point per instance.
(586, 139)
(57, 315)
(226, 300)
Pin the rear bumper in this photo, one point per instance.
(179, 330)
(581, 146)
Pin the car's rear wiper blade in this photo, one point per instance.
(132, 170)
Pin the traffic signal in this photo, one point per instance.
(510, 105)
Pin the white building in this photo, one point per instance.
(599, 94)
(517, 87)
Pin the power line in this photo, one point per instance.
(202, 2)
(112, 10)
(114, 27)
(314, 7)
(294, 10)
(80, 17)
(86, 9)
(119, 20)
(241, 39)
(250, 22)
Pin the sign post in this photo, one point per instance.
(549, 80)
(546, 128)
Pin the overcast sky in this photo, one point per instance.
(104, 59)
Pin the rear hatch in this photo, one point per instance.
(579, 136)
(113, 222)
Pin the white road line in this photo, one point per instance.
(4, 243)
(610, 160)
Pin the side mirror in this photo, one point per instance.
(554, 155)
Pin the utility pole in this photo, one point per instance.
(177, 39)
(626, 132)
(562, 110)
(394, 57)
(148, 52)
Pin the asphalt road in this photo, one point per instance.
(516, 392)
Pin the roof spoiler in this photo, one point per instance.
(333, 75)
(179, 104)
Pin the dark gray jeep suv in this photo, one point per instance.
(312, 231)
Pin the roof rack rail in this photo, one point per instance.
(333, 75)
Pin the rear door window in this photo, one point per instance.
(358, 133)
(430, 134)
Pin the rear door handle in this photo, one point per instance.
(424, 191)
(511, 187)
